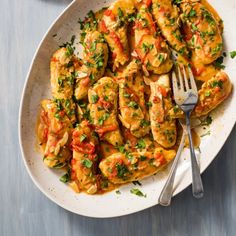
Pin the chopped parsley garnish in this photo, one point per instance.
(144, 123)
(138, 192)
(219, 63)
(120, 13)
(140, 144)
(65, 178)
(207, 133)
(175, 109)
(233, 54)
(148, 104)
(192, 13)
(146, 47)
(122, 170)
(93, 46)
(103, 118)
(143, 158)
(82, 137)
(94, 98)
(69, 50)
(160, 58)
(126, 95)
(207, 94)
(137, 183)
(121, 149)
(118, 192)
(217, 49)
(87, 163)
(207, 121)
(194, 27)
(57, 115)
(133, 105)
(217, 83)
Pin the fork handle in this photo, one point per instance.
(197, 187)
(166, 193)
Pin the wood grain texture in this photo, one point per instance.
(24, 210)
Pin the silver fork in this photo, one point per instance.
(186, 97)
(166, 193)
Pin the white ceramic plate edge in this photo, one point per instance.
(184, 183)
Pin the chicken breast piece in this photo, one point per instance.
(85, 160)
(103, 98)
(62, 69)
(167, 17)
(122, 168)
(212, 93)
(203, 33)
(133, 113)
(163, 127)
(95, 61)
(53, 132)
(114, 27)
(149, 45)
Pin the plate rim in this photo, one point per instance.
(23, 155)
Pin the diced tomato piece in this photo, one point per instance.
(73, 161)
(151, 23)
(148, 2)
(62, 113)
(197, 71)
(44, 118)
(54, 59)
(163, 91)
(187, 33)
(105, 104)
(162, 10)
(84, 147)
(45, 134)
(158, 42)
(160, 157)
(102, 130)
(156, 99)
(114, 55)
(217, 89)
(73, 175)
(115, 37)
(85, 82)
(110, 14)
(103, 27)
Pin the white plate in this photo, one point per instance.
(37, 87)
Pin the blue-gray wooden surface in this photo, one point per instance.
(26, 211)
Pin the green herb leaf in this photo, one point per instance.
(121, 149)
(219, 63)
(142, 158)
(192, 13)
(120, 13)
(118, 192)
(141, 144)
(138, 192)
(207, 121)
(83, 137)
(65, 178)
(217, 83)
(136, 183)
(207, 133)
(87, 163)
(94, 98)
(133, 105)
(233, 54)
(122, 170)
(103, 118)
